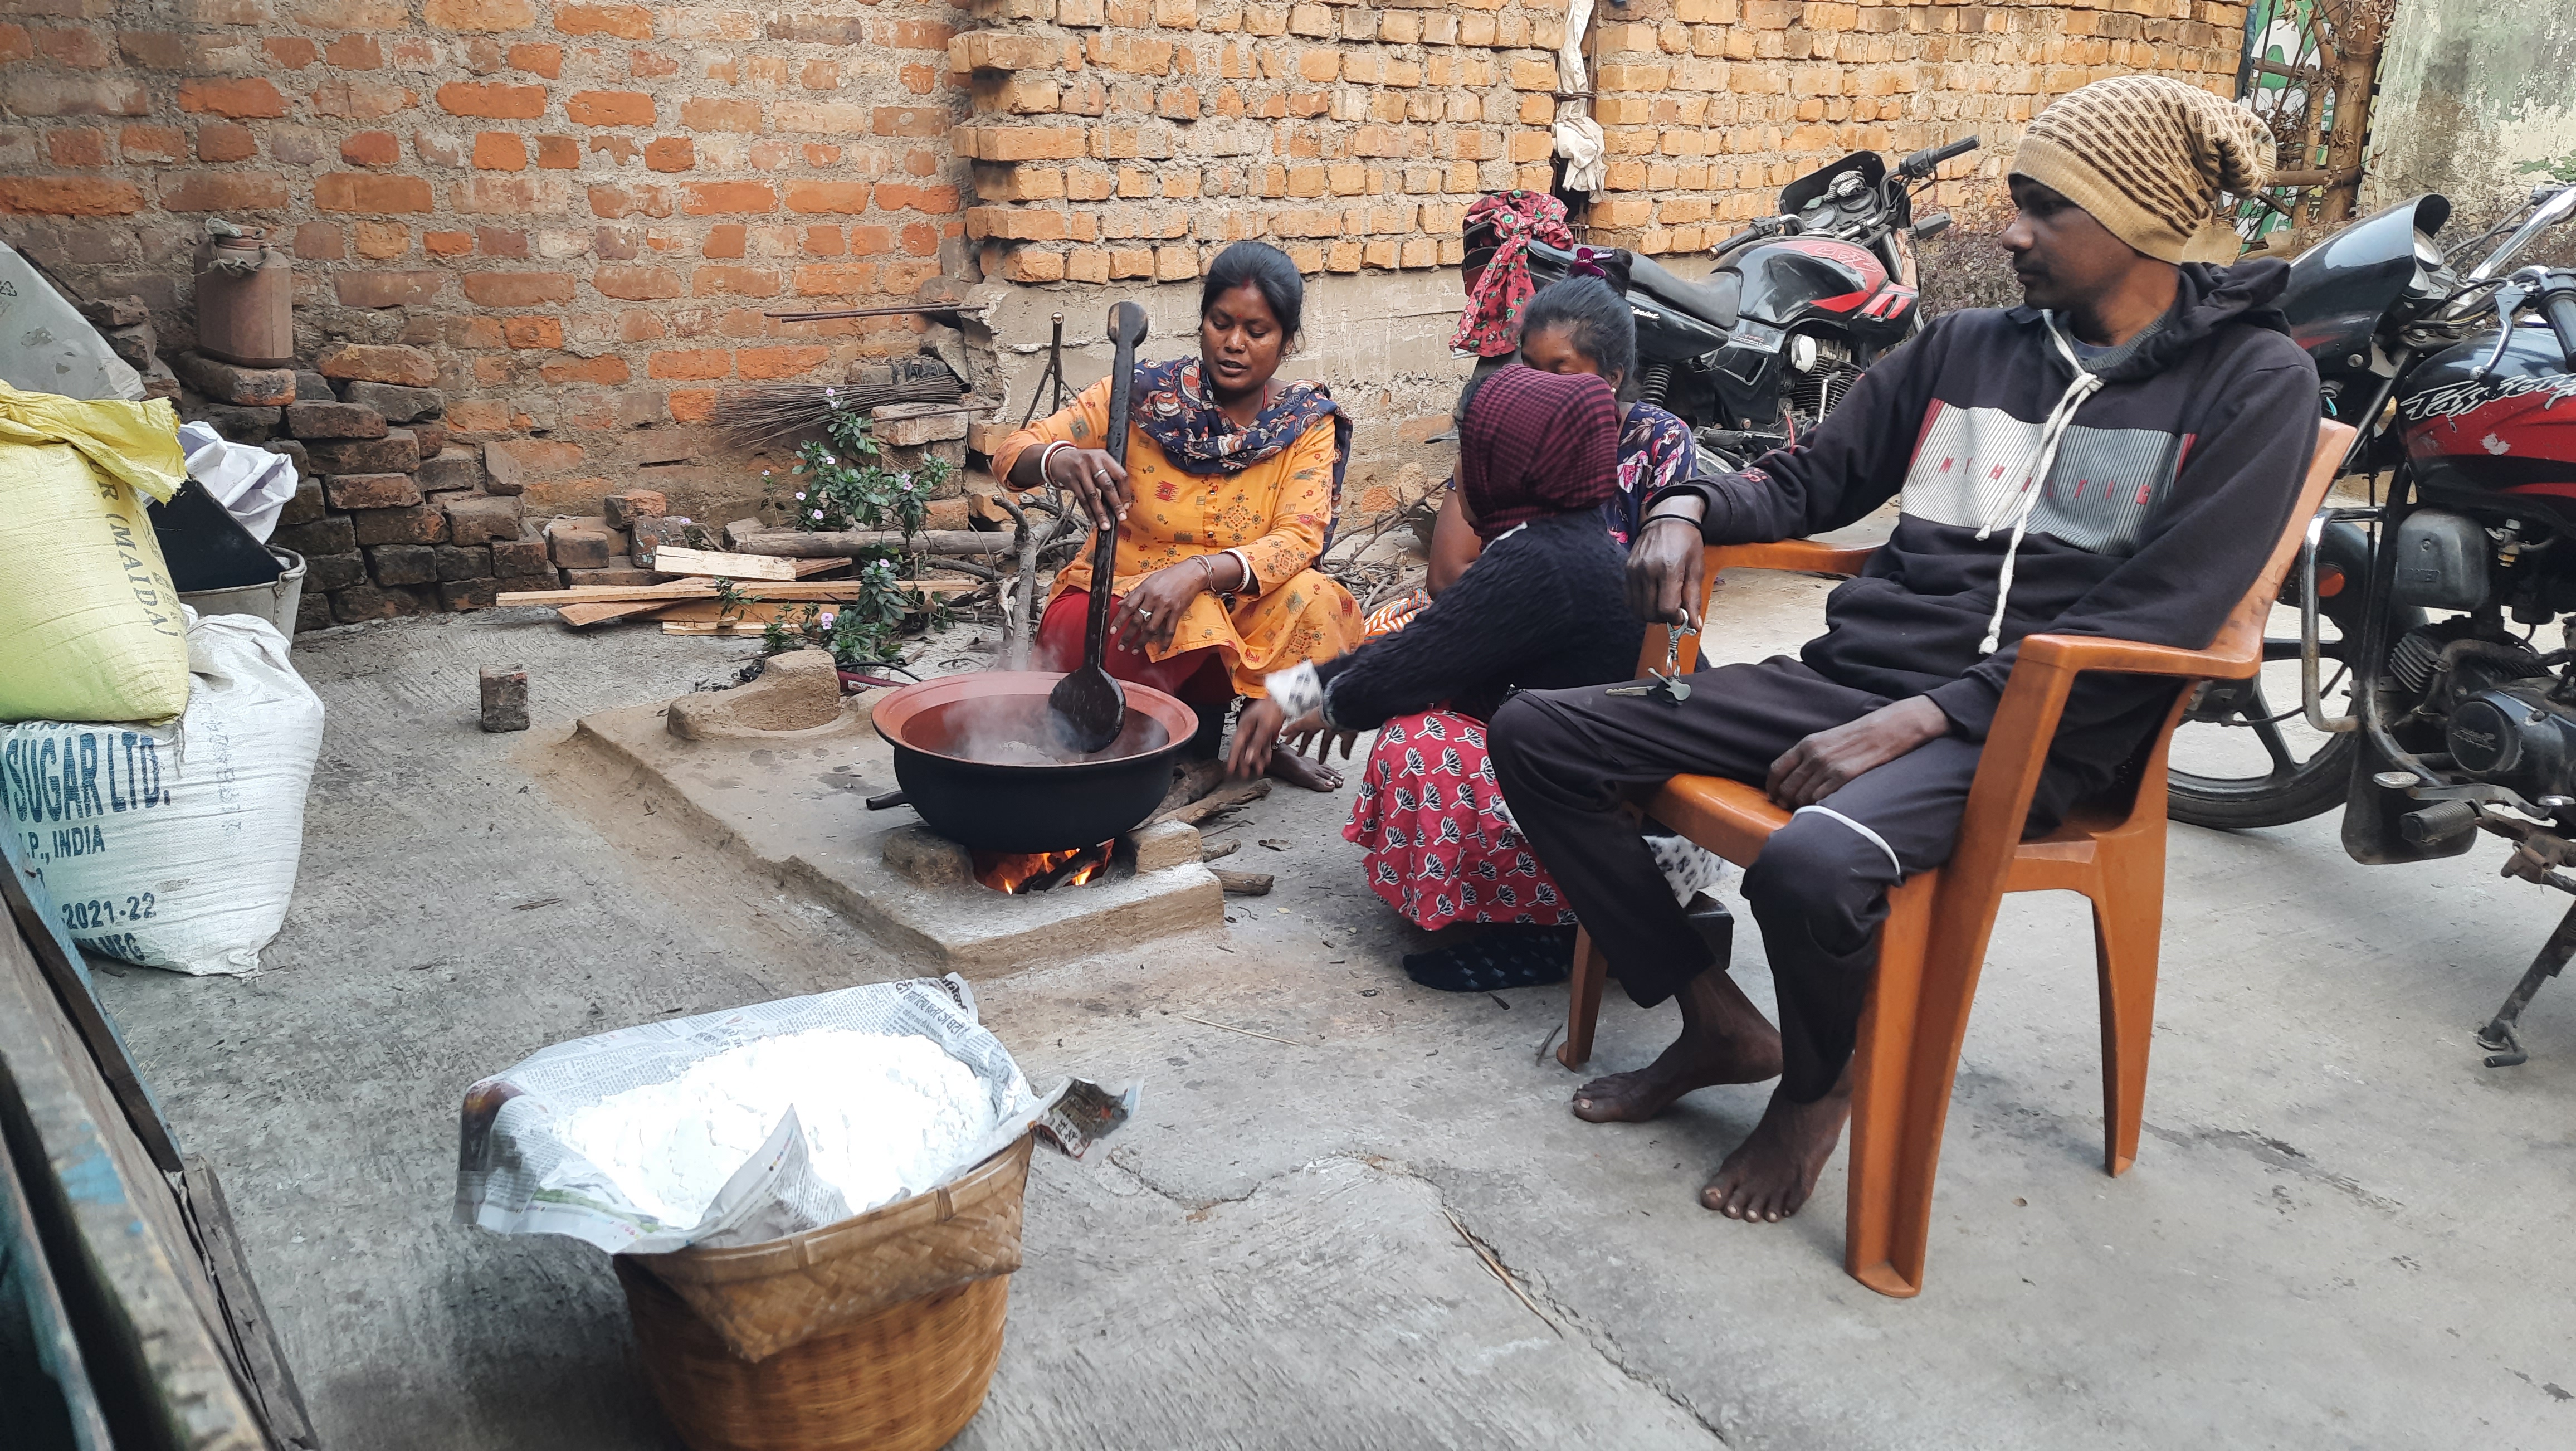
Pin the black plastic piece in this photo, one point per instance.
(206, 547)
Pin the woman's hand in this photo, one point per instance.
(1256, 732)
(1309, 730)
(1147, 615)
(1667, 572)
(1096, 479)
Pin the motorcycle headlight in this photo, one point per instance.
(2433, 279)
(2427, 255)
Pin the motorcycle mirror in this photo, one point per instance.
(1933, 225)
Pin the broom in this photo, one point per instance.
(765, 411)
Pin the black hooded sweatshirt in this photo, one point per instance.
(2169, 484)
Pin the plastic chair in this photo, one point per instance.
(1938, 922)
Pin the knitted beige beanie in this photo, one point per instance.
(2148, 156)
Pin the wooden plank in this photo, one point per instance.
(823, 544)
(583, 616)
(27, 1283)
(131, 1264)
(677, 590)
(254, 1334)
(717, 564)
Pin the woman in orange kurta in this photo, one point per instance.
(1222, 508)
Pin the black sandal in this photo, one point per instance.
(1506, 957)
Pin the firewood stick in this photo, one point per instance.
(1216, 801)
(1243, 884)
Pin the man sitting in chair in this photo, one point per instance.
(2115, 457)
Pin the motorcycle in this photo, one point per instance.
(2441, 722)
(1757, 352)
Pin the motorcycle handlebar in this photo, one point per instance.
(1767, 227)
(2559, 306)
(1922, 162)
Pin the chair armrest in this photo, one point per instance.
(1799, 554)
(2075, 653)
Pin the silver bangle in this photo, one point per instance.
(1046, 456)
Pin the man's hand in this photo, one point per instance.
(1666, 569)
(1096, 479)
(1827, 761)
(1256, 732)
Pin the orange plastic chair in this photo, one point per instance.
(1938, 922)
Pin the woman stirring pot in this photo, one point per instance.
(1224, 505)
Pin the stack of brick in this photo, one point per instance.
(390, 517)
(1130, 139)
(1118, 139)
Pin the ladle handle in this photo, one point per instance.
(1126, 330)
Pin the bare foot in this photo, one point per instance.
(1770, 1174)
(1296, 770)
(1725, 1039)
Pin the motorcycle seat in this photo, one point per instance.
(1713, 301)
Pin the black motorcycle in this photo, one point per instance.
(2441, 719)
(1759, 350)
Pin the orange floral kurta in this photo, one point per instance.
(1275, 512)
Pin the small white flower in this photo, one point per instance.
(825, 619)
(827, 393)
(800, 493)
(818, 513)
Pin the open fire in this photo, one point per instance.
(1018, 872)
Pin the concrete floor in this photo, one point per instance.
(2340, 1232)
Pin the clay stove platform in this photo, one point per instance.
(794, 802)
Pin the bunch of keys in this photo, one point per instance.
(1669, 687)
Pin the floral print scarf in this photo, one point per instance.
(1491, 325)
(1177, 411)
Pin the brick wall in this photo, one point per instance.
(1129, 139)
(579, 211)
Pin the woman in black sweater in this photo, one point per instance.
(1544, 608)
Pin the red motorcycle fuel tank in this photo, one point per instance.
(2497, 440)
(1790, 280)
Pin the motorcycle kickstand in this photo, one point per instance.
(2498, 1037)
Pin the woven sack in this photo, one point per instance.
(90, 628)
(764, 1298)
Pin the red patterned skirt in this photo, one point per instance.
(1441, 844)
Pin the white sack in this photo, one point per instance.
(176, 846)
(46, 346)
(252, 484)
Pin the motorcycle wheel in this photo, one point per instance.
(2248, 758)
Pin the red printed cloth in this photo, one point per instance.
(1441, 844)
(1491, 325)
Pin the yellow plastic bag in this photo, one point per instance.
(90, 629)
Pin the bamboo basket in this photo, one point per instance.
(880, 1332)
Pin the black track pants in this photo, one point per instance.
(1567, 760)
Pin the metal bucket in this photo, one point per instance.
(274, 601)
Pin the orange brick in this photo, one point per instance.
(609, 108)
(291, 51)
(382, 241)
(670, 153)
(222, 141)
(720, 113)
(354, 53)
(354, 191)
(500, 151)
(491, 15)
(1019, 224)
(835, 279)
(613, 202)
(542, 60)
(788, 362)
(913, 34)
(80, 49)
(909, 121)
(240, 97)
(70, 196)
(447, 244)
(607, 370)
(1031, 264)
(558, 153)
(636, 283)
(827, 196)
(690, 364)
(896, 196)
(517, 289)
(153, 143)
(714, 198)
(733, 282)
(524, 333)
(626, 22)
(497, 100)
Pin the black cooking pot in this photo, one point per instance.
(971, 753)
